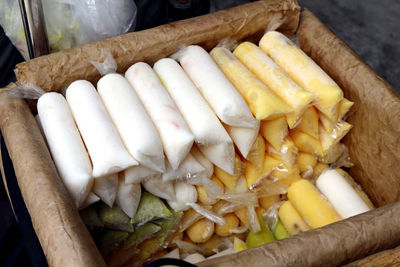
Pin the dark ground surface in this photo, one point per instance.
(369, 27)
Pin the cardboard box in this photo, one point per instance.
(373, 142)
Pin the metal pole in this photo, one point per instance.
(34, 26)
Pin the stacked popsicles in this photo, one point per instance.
(213, 152)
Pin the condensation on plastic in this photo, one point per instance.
(271, 216)
(28, 91)
(71, 22)
(107, 66)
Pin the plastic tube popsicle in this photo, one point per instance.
(92, 198)
(346, 201)
(311, 204)
(160, 188)
(128, 195)
(102, 140)
(276, 79)
(66, 146)
(131, 120)
(243, 137)
(223, 98)
(175, 134)
(189, 168)
(304, 71)
(136, 174)
(208, 166)
(291, 219)
(209, 134)
(263, 103)
(106, 188)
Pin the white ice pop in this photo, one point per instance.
(92, 198)
(341, 194)
(175, 134)
(136, 174)
(128, 195)
(208, 166)
(185, 194)
(189, 168)
(134, 125)
(160, 188)
(243, 137)
(224, 99)
(106, 188)
(101, 138)
(209, 134)
(66, 146)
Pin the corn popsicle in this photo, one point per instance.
(220, 94)
(304, 71)
(311, 204)
(291, 219)
(175, 134)
(257, 153)
(328, 141)
(344, 107)
(341, 194)
(306, 162)
(277, 80)
(135, 127)
(309, 123)
(307, 143)
(66, 146)
(227, 179)
(275, 132)
(263, 103)
(209, 134)
(101, 138)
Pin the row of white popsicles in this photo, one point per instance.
(129, 123)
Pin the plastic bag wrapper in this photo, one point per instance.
(269, 188)
(158, 187)
(185, 194)
(223, 207)
(189, 218)
(188, 169)
(287, 153)
(271, 216)
(246, 198)
(238, 230)
(212, 216)
(11, 21)
(343, 160)
(254, 224)
(137, 174)
(71, 22)
(27, 91)
(188, 247)
(107, 66)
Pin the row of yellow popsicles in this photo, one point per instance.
(302, 113)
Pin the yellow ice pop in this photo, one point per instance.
(276, 79)
(306, 143)
(328, 141)
(311, 204)
(344, 107)
(309, 123)
(291, 219)
(275, 131)
(304, 71)
(263, 103)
